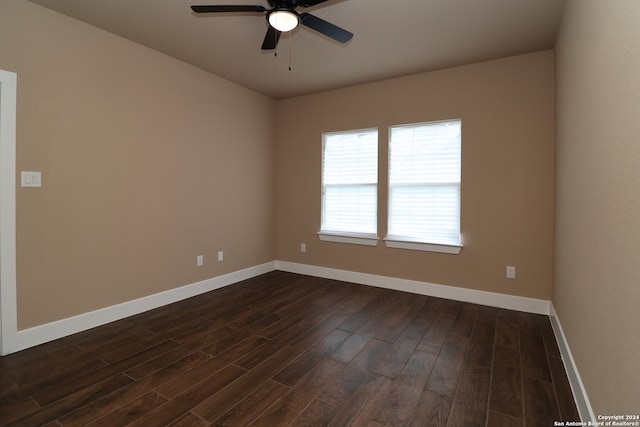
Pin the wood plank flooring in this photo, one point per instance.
(285, 349)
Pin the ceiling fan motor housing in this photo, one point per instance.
(292, 4)
(283, 4)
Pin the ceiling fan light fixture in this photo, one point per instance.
(283, 20)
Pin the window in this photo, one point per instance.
(350, 186)
(424, 186)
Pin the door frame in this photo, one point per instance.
(8, 298)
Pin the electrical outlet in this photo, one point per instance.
(303, 247)
(220, 255)
(511, 272)
(199, 260)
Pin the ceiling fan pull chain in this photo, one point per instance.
(275, 49)
(290, 42)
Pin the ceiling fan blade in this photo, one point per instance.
(271, 39)
(326, 28)
(309, 3)
(228, 8)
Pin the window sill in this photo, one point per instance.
(352, 238)
(426, 247)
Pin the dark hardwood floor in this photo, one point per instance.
(285, 349)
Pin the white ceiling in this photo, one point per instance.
(392, 38)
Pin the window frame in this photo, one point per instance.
(345, 236)
(412, 242)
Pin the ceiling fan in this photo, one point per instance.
(282, 17)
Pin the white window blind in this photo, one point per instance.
(350, 182)
(424, 182)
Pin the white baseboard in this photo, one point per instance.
(577, 387)
(51, 331)
(511, 302)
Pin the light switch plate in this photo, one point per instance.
(31, 179)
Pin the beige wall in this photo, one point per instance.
(507, 112)
(597, 288)
(146, 163)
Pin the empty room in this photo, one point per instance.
(307, 212)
